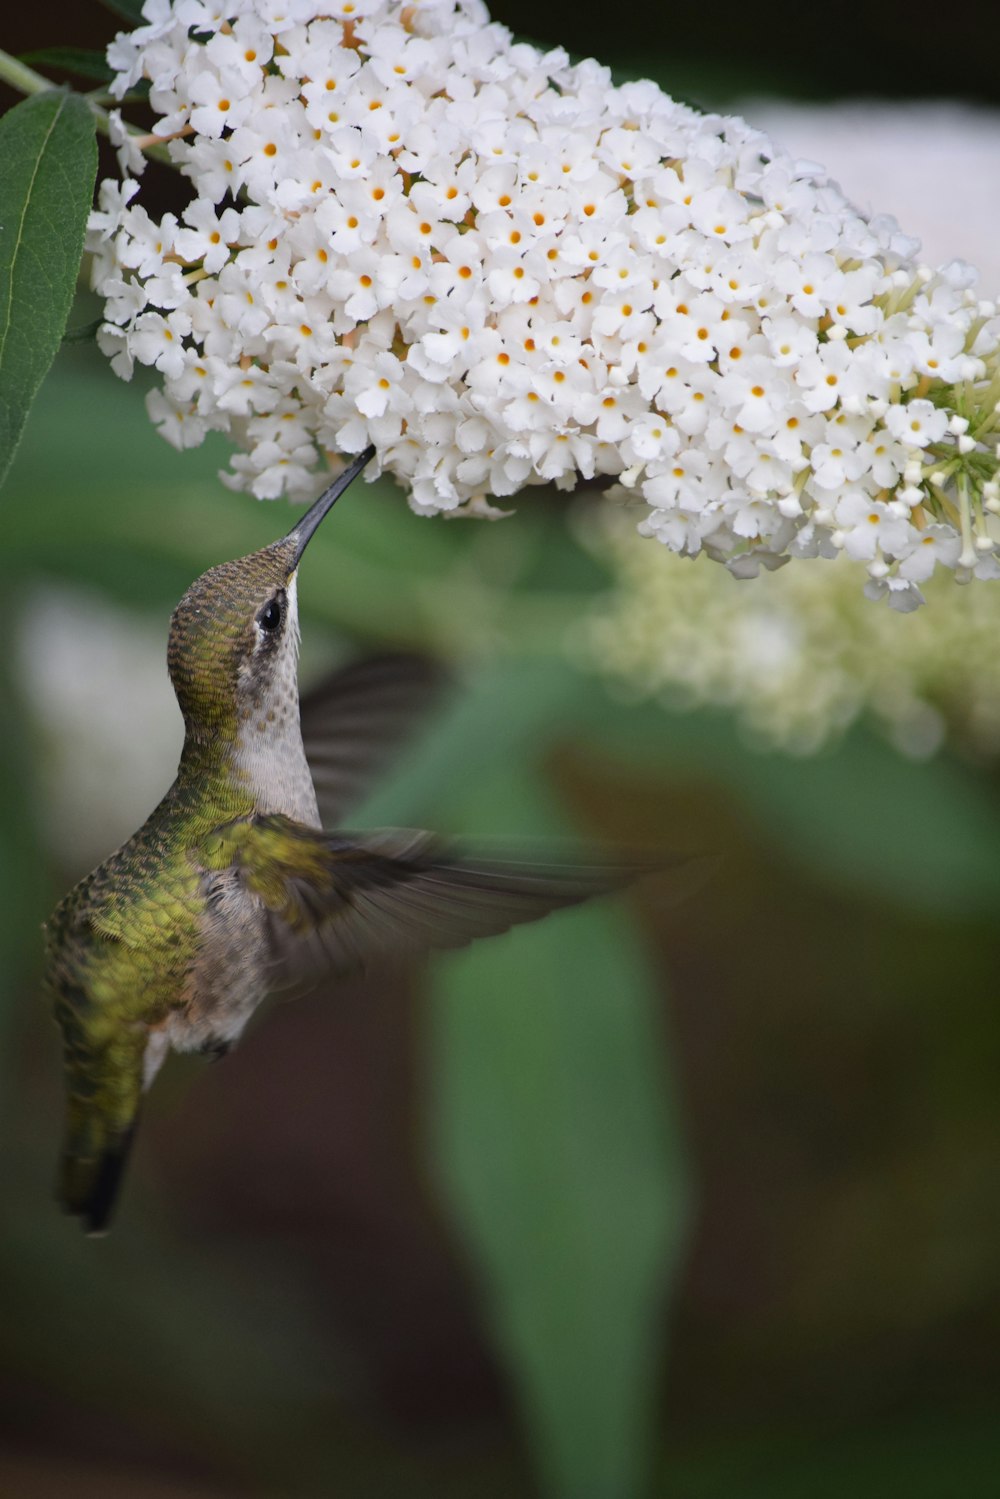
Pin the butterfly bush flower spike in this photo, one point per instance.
(798, 657)
(406, 229)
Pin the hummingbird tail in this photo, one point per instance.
(89, 1184)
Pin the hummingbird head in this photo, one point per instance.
(234, 637)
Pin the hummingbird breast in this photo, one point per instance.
(229, 978)
(231, 975)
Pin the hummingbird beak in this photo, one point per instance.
(302, 532)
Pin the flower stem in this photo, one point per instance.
(21, 77)
(27, 81)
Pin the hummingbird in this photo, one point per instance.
(235, 887)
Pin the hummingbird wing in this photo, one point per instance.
(355, 720)
(346, 902)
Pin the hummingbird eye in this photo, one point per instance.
(269, 617)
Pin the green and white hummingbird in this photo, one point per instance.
(232, 890)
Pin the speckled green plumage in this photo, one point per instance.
(120, 950)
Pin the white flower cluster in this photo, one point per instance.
(798, 657)
(501, 270)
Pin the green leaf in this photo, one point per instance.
(556, 1147)
(82, 61)
(49, 152)
(951, 1448)
(129, 10)
(23, 891)
(505, 714)
(921, 835)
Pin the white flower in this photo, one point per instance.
(178, 423)
(797, 655)
(866, 527)
(131, 162)
(208, 234)
(916, 424)
(159, 340)
(755, 394)
(936, 544)
(503, 270)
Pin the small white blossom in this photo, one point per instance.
(159, 340)
(916, 424)
(131, 162)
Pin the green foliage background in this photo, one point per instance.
(647, 1200)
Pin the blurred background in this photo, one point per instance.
(691, 1201)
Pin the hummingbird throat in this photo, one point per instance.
(267, 755)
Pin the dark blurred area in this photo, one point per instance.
(693, 1200)
(888, 52)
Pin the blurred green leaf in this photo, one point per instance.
(503, 716)
(953, 1450)
(22, 884)
(47, 144)
(559, 1156)
(921, 834)
(129, 10)
(79, 60)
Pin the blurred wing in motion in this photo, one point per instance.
(342, 903)
(355, 721)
